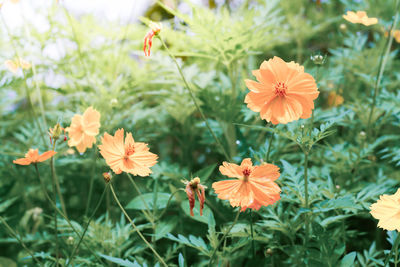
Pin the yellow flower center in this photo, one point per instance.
(280, 89)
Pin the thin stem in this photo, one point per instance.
(62, 214)
(223, 238)
(147, 211)
(269, 146)
(191, 93)
(56, 182)
(87, 225)
(394, 247)
(252, 234)
(91, 181)
(306, 196)
(169, 200)
(55, 199)
(382, 64)
(15, 235)
(134, 227)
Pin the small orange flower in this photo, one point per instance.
(283, 93)
(360, 17)
(194, 187)
(14, 65)
(33, 157)
(387, 211)
(129, 156)
(335, 99)
(148, 39)
(254, 188)
(83, 129)
(396, 35)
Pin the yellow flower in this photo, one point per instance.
(360, 17)
(334, 99)
(387, 211)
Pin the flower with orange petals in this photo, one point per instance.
(14, 65)
(127, 156)
(395, 33)
(360, 17)
(83, 129)
(33, 157)
(255, 186)
(148, 39)
(387, 211)
(335, 99)
(194, 187)
(283, 93)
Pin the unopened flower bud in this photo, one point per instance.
(107, 176)
(318, 59)
(70, 240)
(337, 186)
(268, 252)
(36, 212)
(56, 132)
(113, 102)
(362, 134)
(343, 27)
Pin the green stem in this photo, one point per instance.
(134, 227)
(191, 93)
(147, 211)
(169, 200)
(62, 214)
(382, 64)
(269, 146)
(55, 200)
(15, 235)
(252, 234)
(91, 182)
(71, 258)
(223, 238)
(56, 182)
(306, 197)
(394, 247)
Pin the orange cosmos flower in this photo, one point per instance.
(14, 65)
(33, 157)
(148, 39)
(129, 156)
(254, 188)
(335, 99)
(360, 17)
(83, 129)
(396, 35)
(283, 93)
(194, 187)
(387, 211)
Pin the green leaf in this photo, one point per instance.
(348, 260)
(7, 262)
(137, 202)
(181, 260)
(165, 227)
(208, 216)
(120, 261)
(205, 173)
(4, 205)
